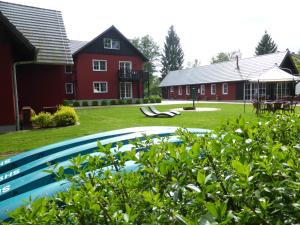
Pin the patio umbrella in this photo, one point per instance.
(274, 74)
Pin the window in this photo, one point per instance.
(68, 69)
(69, 88)
(111, 43)
(213, 89)
(125, 90)
(187, 90)
(99, 65)
(100, 87)
(202, 89)
(225, 89)
(171, 89)
(179, 90)
(125, 67)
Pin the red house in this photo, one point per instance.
(34, 50)
(107, 67)
(231, 80)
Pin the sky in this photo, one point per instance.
(205, 27)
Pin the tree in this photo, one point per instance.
(151, 50)
(173, 56)
(266, 45)
(223, 57)
(193, 64)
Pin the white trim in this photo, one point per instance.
(68, 72)
(211, 89)
(223, 89)
(66, 89)
(126, 96)
(187, 90)
(202, 89)
(172, 89)
(99, 91)
(111, 43)
(99, 65)
(125, 62)
(179, 90)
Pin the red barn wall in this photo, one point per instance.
(40, 85)
(6, 84)
(208, 96)
(85, 76)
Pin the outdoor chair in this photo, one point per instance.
(147, 113)
(154, 110)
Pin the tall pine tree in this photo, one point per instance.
(173, 56)
(266, 45)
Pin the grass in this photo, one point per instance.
(110, 118)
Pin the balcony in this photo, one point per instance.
(133, 75)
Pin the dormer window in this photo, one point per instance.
(111, 43)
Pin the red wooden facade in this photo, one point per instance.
(113, 76)
(204, 91)
(83, 76)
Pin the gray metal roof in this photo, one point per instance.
(76, 45)
(225, 71)
(43, 28)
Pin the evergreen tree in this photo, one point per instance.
(173, 56)
(266, 45)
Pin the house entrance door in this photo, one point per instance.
(125, 90)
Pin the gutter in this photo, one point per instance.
(15, 83)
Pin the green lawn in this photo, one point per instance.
(110, 118)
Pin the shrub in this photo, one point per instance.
(95, 103)
(42, 120)
(121, 101)
(138, 101)
(67, 102)
(104, 103)
(145, 100)
(244, 173)
(158, 99)
(65, 116)
(113, 102)
(152, 100)
(85, 103)
(76, 104)
(129, 101)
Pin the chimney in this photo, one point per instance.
(237, 62)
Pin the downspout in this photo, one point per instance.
(15, 83)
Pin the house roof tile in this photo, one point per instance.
(43, 28)
(225, 71)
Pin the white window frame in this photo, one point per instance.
(187, 90)
(100, 91)
(72, 88)
(202, 89)
(172, 89)
(130, 63)
(111, 45)
(213, 87)
(225, 90)
(179, 90)
(99, 65)
(68, 71)
(127, 93)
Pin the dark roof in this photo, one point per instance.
(122, 36)
(43, 28)
(76, 45)
(225, 71)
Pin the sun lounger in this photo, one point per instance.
(154, 110)
(147, 113)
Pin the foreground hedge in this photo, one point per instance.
(245, 173)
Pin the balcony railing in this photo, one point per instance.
(133, 75)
